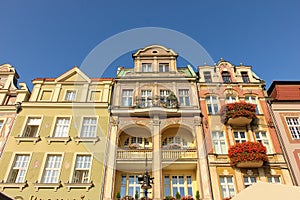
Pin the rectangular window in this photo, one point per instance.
(274, 179)
(62, 127)
(146, 67)
(163, 67)
(184, 97)
(245, 77)
(127, 97)
(32, 127)
(219, 142)
(52, 169)
(249, 180)
(189, 185)
(231, 99)
(89, 126)
(82, 169)
(167, 185)
(132, 185)
(1, 126)
(227, 186)
(70, 95)
(19, 168)
(226, 77)
(212, 104)
(263, 138)
(252, 99)
(207, 77)
(178, 185)
(146, 98)
(294, 127)
(239, 136)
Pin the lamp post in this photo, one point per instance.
(145, 180)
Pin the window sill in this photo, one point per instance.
(58, 139)
(86, 186)
(54, 186)
(21, 186)
(27, 139)
(86, 139)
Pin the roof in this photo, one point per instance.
(274, 83)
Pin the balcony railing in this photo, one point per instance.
(158, 101)
(179, 154)
(140, 154)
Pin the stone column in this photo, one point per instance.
(110, 164)
(156, 160)
(202, 165)
(250, 133)
(230, 135)
(239, 180)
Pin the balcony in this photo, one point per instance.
(238, 114)
(179, 154)
(158, 101)
(134, 154)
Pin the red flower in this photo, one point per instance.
(247, 151)
(238, 109)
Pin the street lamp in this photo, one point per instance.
(145, 180)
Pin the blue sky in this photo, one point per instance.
(47, 38)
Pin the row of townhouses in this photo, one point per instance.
(77, 137)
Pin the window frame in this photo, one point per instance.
(226, 77)
(90, 96)
(246, 78)
(249, 180)
(72, 175)
(220, 149)
(253, 100)
(26, 125)
(207, 76)
(129, 185)
(12, 163)
(164, 67)
(263, 140)
(231, 99)
(147, 67)
(73, 96)
(55, 126)
(227, 186)
(184, 97)
(272, 178)
(1, 128)
(295, 131)
(45, 162)
(209, 100)
(239, 138)
(128, 98)
(178, 185)
(80, 135)
(146, 98)
(46, 90)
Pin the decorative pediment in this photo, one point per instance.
(73, 75)
(155, 50)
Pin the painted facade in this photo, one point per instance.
(285, 104)
(155, 113)
(223, 84)
(11, 97)
(57, 145)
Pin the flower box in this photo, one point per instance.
(134, 146)
(238, 113)
(250, 164)
(247, 155)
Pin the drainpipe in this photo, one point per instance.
(278, 133)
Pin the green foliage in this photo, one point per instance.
(118, 195)
(178, 196)
(136, 194)
(197, 195)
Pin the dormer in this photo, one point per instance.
(155, 59)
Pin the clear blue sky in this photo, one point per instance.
(47, 38)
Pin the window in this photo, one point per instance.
(164, 94)
(146, 98)
(294, 127)
(245, 77)
(239, 136)
(207, 77)
(127, 97)
(184, 97)
(129, 185)
(226, 77)
(89, 126)
(142, 142)
(19, 168)
(62, 127)
(178, 183)
(175, 140)
(164, 67)
(82, 169)
(219, 142)
(52, 169)
(249, 180)
(212, 104)
(32, 127)
(46, 95)
(263, 138)
(95, 95)
(274, 179)
(252, 99)
(227, 186)
(70, 95)
(146, 67)
(231, 99)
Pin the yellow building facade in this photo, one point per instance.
(57, 145)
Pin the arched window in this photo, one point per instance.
(212, 103)
(231, 99)
(253, 100)
(136, 142)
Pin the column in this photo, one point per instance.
(156, 160)
(250, 133)
(109, 176)
(239, 180)
(230, 135)
(202, 165)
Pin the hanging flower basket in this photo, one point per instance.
(238, 113)
(174, 146)
(247, 155)
(134, 146)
